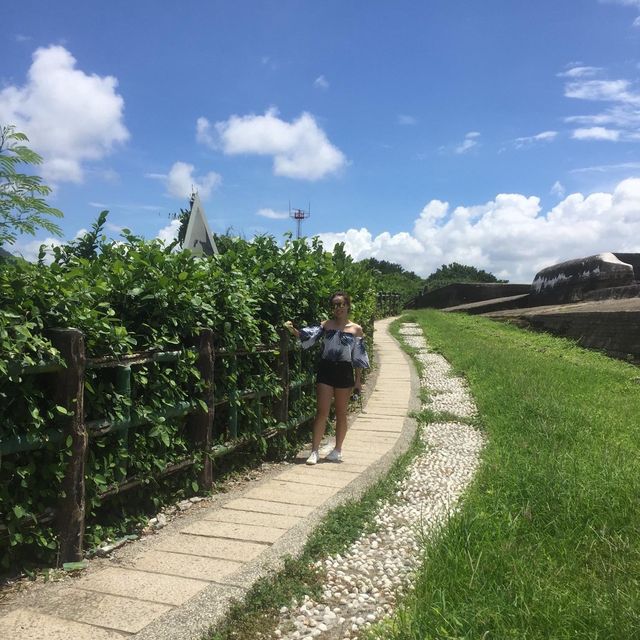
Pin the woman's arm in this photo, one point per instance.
(357, 386)
(288, 325)
(308, 335)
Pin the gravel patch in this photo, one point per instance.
(363, 584)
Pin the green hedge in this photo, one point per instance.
(132, 296)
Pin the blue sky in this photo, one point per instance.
(500, 134)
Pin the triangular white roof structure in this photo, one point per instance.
(198, 237)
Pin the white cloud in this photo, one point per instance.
(544, 136)
(70, 117)
(636, 22)
(580, 72)
(180, 182)
(557, 189)
(596, 133)
(300, 149)
(618, 122)
(406, 120)
(169, 233)
(203, 133)
(272, 215)
(607, 90)
(470, 141)
(623, 116)
(624, 3)
(607, 168)
(321, 83)
(510, 236)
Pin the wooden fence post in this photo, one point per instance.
(201, 421)
(282, 409)
(70, 395)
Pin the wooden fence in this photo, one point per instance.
(388, 304)
(69, 388)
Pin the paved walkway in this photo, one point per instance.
(177, 583)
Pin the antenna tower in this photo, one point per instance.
(299, 215)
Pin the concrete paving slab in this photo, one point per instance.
(363, 419)
(234, 531)
(238, 550)
(268, 506)
(28, 624)
(317, 476)
(102, 610)
(362, 447)
(390, 406)
(358, 457)
(385, 427)
(291, 493)
(349, 463)
(371, 447)
(378, 436)
(136, 584)
(255, 518)
(185, 566)
(381, 410)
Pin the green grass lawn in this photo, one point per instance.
(547, 542)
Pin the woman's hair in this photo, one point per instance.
(342, 294)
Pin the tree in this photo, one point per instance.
(456, 272)
(22, 205)
(393, 278)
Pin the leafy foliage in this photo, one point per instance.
(456, 272)
(134, 296)
(22, 205)
(392, 278)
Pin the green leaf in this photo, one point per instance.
(19, 511)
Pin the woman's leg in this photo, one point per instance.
(324, 394)
(341, 405)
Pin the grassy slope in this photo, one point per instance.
(547, 544)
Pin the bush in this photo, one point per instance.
(133, 296)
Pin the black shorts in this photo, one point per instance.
(335, 374)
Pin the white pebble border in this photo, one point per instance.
(363, 584)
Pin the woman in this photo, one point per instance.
(343, 352)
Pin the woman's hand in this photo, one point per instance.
(288, 325)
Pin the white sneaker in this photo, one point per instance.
(313, 458)
(334, 456)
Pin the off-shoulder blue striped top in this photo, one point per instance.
(339, 346)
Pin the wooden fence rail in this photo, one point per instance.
(70, 512)
(388, 304)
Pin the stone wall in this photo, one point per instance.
(466, 292)
(612, 326)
